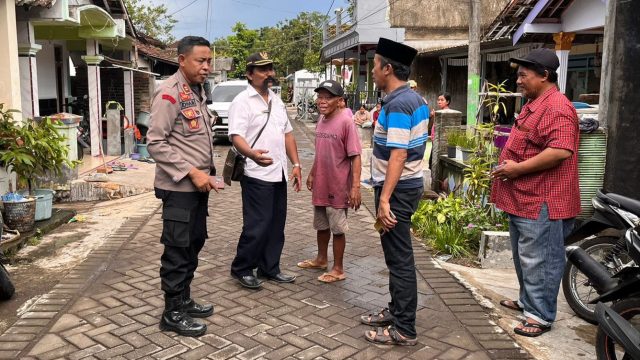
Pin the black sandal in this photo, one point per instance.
(511, 304)
(393, 338)
(525, 324)
(382, 318)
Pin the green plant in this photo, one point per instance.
(477, 178)
(468, 142)
(494, 98)
(454, 137)
(32, 149)
(452, 225)
(451, 240)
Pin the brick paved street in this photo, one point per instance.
(109, 306)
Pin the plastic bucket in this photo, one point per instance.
(142, 150)
(20, 215)
(44, 203)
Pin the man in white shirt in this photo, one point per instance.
(264, 185)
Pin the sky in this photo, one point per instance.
(223, 14)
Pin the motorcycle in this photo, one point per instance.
(615, 329)
(604, 234)
(623, 287)
(619, 324)
(79, 107)
(6, 286)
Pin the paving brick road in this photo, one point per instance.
(109, 306)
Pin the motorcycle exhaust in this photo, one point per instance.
(597, 273)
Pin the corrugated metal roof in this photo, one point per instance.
(515, 13)
(41, 3)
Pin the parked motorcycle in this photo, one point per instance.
(618, 336)
(604, 234)
(79, 106)
(6, 286)
(611, 287)
(615, 329)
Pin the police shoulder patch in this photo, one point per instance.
(168, 98)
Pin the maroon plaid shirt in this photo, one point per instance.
(550, 121)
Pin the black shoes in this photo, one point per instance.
(182, 324)
(281, 278)
(248, 281)
(196, 310)
(176, 319)
(253, 282)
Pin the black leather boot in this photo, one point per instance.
(175, 319)
(194, 309)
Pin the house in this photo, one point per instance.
(574, 29)
(351, 41)
(430, 26)
(65, 50)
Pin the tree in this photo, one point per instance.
(292, 44)
(151, 20)
(238, 46)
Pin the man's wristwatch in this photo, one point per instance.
(297, 165)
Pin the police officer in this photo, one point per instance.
(180, 141)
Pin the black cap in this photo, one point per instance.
(396, 51)
(331, 86)
(258, 59)
(543, 57)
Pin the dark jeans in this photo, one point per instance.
(184, 231)
(264, 212)
(398, 254)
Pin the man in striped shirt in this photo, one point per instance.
(399, 139)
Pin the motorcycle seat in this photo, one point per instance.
(626, 203)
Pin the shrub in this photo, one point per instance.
(452, 225)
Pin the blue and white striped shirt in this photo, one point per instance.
(402, 124)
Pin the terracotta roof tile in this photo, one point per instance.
(169, 55)
(42, 3)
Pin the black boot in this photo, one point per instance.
(194, 309)
(175, 319)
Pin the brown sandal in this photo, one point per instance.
(382, 318)
(392, 338)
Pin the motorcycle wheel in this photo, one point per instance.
(575, 285)
(6, 287)
(605, 346)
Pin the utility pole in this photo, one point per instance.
(473, 62)
(619, 100)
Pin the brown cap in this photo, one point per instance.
(258, 59)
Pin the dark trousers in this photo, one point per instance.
(184, 230)
(264, 212)
(398, 255)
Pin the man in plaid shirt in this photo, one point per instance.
(536, 183)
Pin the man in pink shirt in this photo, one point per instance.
(334, 179)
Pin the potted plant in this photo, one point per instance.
(453, 137)
(468, 145)
(32, 149)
